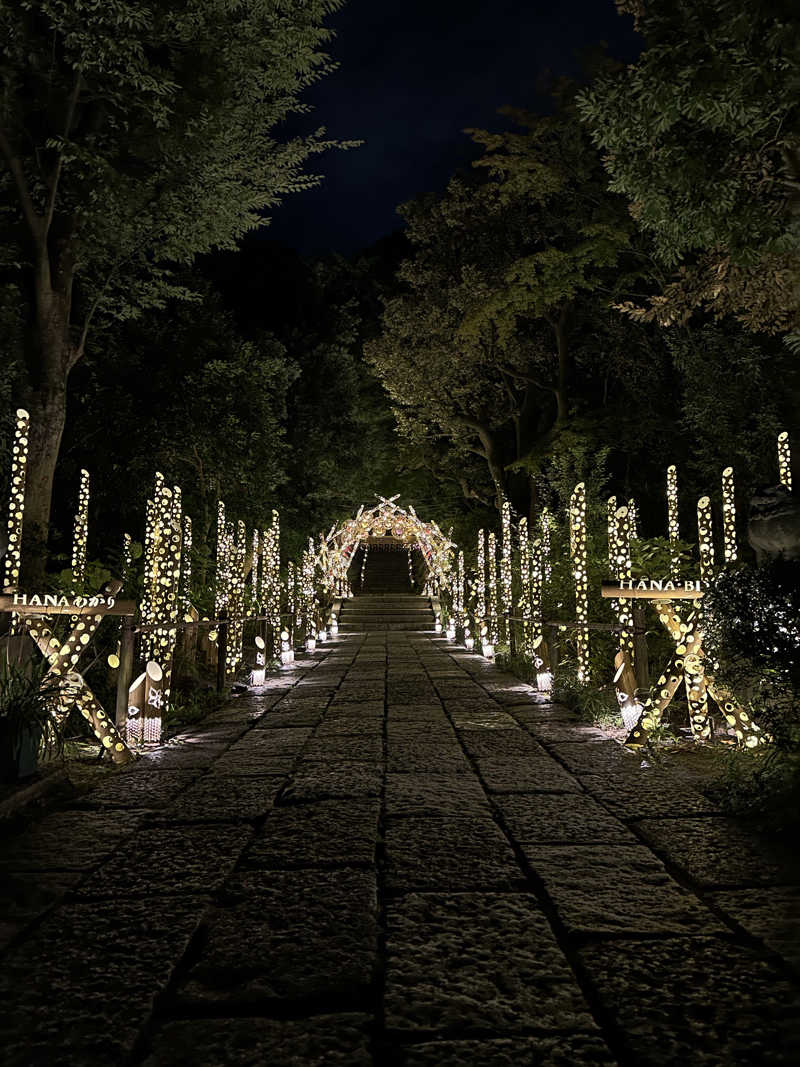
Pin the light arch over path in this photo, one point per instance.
(337, 549)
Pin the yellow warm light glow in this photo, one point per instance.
(784, 460)
(673, 526)
(729, 516)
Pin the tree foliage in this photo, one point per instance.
(702, 136)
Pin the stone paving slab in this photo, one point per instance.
(192, 858)
(639, 792)
(557, 1050)
(323, 780)
(515, 774)
(718, 852)
(702, 1002)
(613, 888)
(424, 853)
(561, 818)
(320, 1041)
(289, 936)
(410, 757)
(511, 743)
(477, 962)
(769, 914)
(143, 791)
(330, 833)
(70, 840)
(83, 984)
(222, 797)
(433, 794)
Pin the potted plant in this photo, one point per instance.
(28, 728)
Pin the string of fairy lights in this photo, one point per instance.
(80, 534)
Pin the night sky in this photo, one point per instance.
(412, 76)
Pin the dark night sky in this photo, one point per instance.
(412, 76)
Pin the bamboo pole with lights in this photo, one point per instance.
(577, 534)
(545, 524)
(16, 502)
(506, 579)
(729, 516)
(491, 563)
(785, 460)
(80, 534)
(673, 525)
(525, 588)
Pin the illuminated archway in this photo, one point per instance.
(337, 549)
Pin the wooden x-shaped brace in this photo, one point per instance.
(690, 666)
(72, 687)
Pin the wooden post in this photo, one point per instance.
(640, 659)
(127, 649)
(222, 651)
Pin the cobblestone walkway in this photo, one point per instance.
(396, 855)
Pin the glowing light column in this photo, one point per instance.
(577, 537)
(622, 570)
(505, 573)
(186, 569)
(16, 502)
(784, 460)
(546, 522)
(80, 534)
(673, 526)
(729, 516)
(491, 561)
(525, 588)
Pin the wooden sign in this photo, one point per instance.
(652, 589)
(58, 604)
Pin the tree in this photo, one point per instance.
(702, 136)
(507, 273)
(136, 135)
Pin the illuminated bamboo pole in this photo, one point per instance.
(623, 572)
(480, 586)
(545, 523)
(505, 573)
(256, 555)
(673, 525)
(729, 516)
(525, 588)
(186, 568)
(577, 527)
(127, 557)
(544, 676)
(80, 534)
(705, 537)
(491, 563)
(16, 502)
(461, 615)
(290, 600)
(784, 460)
(611, 525)
(272, 562)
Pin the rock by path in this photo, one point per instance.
(396, 854)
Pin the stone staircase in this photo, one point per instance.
(386, 611)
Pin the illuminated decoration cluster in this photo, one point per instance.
(545, 524)
(364, 564)
(160, 600)
(729, 516)
(338, 548)
(308, 599)
(186, 569)
(16, 502)
(544, 678)
(229, 583)
(673, 525)
(291, 598)
(577, 541)
(127, 557)
(505, 572)
(410, 554)
(80, 534)
(633, 519)
(525, 588)
(619, 558)
(705, 538)
(271, 580)
(255, 587)
(459, 601)
(491, 563)
(480, 580)
(784, 460)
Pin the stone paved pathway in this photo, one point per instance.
(396, 855)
